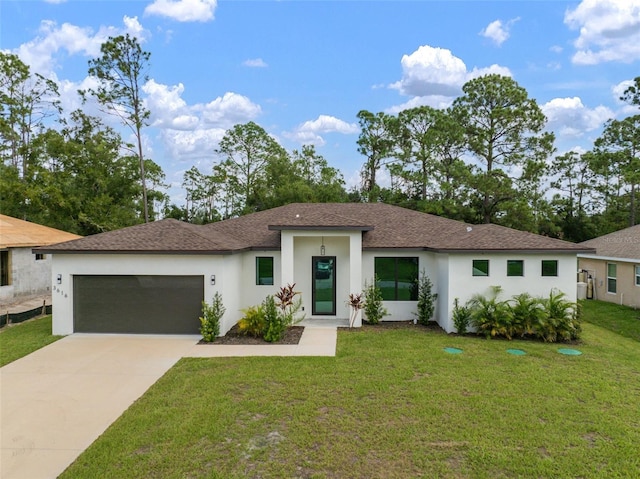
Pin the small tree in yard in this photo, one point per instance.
(356, 303)
(373, 308)
(210, 319)
(426, 299)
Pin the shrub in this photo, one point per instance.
(253, 323)
(274, 321)
(461, 317)
(560, 320)
(426, 299)
(373, 308)
(210, 319)
(526, 313)
(489, 315)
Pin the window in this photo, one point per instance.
(549, 267)
(637, 275)
(5, 277)
(612, 281)
(40, 256)
(264, 270)
(515, 267)
(481, 267)
(397, 278)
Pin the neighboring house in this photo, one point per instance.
(615, 266)
(152, 278)
(22, 272)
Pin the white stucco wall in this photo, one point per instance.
(463, 285)
(67, 265)
(28, 276)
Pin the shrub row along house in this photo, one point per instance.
(152, 278)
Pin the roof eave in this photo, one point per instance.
(144, 252)
(318, 228)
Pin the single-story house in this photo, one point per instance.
(24, 273)
(151, 278)
(614, 267)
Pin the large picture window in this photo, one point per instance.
(264, 270)
(5, 277)
(397, 278)
(612, 278)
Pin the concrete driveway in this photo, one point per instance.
(56, 401)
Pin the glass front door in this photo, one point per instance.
(324, 285)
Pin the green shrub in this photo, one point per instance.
(426, 299)
(373, 308)
(253, 323)
(275, 325)
(561, 319)
(461, 317)
(526, 313)
(490, 316)
(210, 319)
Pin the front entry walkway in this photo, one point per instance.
(56, 401)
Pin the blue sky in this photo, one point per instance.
(303, 69)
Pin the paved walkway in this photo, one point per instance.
(56, 401)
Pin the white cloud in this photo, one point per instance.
(497, 31)
(310, 131)
(436, 71)
(229, 109)
(609, 31)
(190, 145)
(568, 117)
(255, 63)
(183, 10)
(40, 53)
(434, 101)
(556, 49)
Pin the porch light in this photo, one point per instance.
(59, 279)
(322, 248)
(213, 279)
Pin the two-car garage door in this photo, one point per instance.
(137, 304)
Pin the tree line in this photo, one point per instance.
(486, 159)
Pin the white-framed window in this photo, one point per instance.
(638, 275)
(612, 278)
(40, 256)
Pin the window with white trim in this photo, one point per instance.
(638, 275)
(612, 278)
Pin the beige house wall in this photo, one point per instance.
(627, 292)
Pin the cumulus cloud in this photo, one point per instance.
(255, 63)
(569, 117)
(310, 132)
(434, 101)
(183, 10)
(609, 31)
(436, 71)
(40, 53)
(497, 31)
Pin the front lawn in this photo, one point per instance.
(18, 340)
(392, 404)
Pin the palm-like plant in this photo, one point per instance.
(526, 313)
(561, 319)
(489, 315)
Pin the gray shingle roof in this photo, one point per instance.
(383, 226)
(619, 244)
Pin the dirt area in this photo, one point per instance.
(234, 336)
(20, 305)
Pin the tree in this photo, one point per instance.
(120, 71)
(620, 142)
(26, 101)
(503, 131)
(632, 94)
(376, 141)
(246, 149)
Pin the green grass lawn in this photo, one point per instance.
(392, 404)
(20, 339)
(614, 317)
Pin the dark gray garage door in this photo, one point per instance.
(137, 304)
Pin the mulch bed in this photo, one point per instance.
(234, 336)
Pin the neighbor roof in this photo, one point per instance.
(619, 244)
(383, 226)
(15, 233)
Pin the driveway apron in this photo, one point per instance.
(56, 401)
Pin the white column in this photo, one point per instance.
(286, 257)
(355, 268)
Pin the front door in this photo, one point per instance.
(324, 285)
